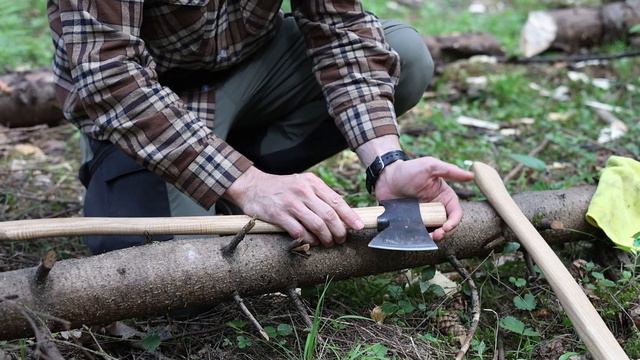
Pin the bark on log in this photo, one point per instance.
(160, 277)
(575, 28)
(27, 98)
(447, 48)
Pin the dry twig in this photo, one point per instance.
(250, 316)
(231, 246)
(295, 298)
(475, 305)
(44, 346)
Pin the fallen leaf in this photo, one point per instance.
(477, 123)
(603, 106)
(29, 150)
(123, 330)
(559, 116)
(447, 285)
(378, 315)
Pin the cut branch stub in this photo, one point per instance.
(46, 264)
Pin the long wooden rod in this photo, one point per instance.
(589, 325)
(433, 215)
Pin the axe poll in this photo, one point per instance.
(400, 225)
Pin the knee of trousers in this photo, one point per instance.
(416, 64)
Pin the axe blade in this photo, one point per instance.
(401, 228)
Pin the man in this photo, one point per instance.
(185, 102)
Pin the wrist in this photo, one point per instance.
(238, 189)
(373, 148)
(379, 167)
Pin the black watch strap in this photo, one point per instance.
(379, 163)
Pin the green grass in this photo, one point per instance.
(24, 34)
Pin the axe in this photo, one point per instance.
(402, 224)
(588, 324)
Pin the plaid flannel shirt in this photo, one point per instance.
(108, 55)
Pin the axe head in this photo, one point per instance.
(401, 228)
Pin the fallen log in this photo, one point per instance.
(447, 48)
(580, 27)
(27, 98)
(161, 277)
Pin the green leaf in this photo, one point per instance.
(510, 247)
(589, 266)
(626, 275)
(285, 330)
(437, 290)
(597, 275)
(479, 347)
(635, 29)
(406, 307)
(526, 302)
(529, 161)
(428, 273)
(150, 342)
(568, 355)
(518, 282)
(389, 308)
(271, 332)
(377, 351)
(237, 324)
(424, 286)
(512, 324)
(516, 326)
(428, 337)
(243, 342)
(606, 282)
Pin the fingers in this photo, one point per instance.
(454, 211)
(314, 224)
(341, 208)
(447, 171)
(330, 218)
(294, 228)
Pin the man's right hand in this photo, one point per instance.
(302, 204)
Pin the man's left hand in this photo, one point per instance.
(424, 178)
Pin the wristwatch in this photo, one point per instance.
(379, 163)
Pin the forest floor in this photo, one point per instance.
(544, 106)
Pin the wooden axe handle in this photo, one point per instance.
(589, 325)
(433, 215)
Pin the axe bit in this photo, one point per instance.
(401, 227)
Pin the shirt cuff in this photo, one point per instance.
(209, 175)
(367, 121)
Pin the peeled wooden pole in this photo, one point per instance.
(589, 325)
(160, 277)
(433, 215)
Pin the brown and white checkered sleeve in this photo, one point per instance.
(116, 80)
(356, 68)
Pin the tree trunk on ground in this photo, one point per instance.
(27, 98)
(575, 28)
(447, 48)
(160, 277)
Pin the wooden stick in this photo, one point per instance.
(589, 325)
(433, 215)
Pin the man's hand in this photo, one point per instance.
(424, 178)
(301, 204)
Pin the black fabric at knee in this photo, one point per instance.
(320, 144)
(416, 64)
(118, 187)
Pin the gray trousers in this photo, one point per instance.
(270, 108)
